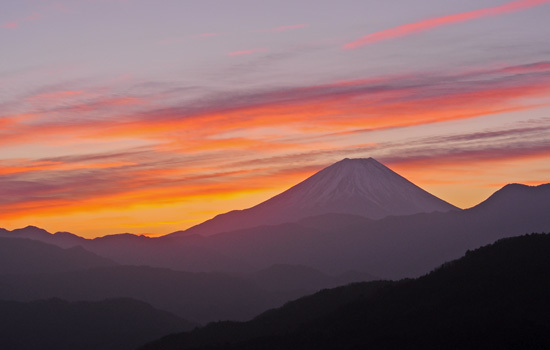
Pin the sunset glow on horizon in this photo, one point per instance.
(126, 116)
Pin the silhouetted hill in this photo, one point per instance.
(516, 206)
(115, 324)
(30, 256)
(60, 239)
(185, 253)
(495, 297)
(30, 232)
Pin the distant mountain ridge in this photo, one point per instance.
(23, 255)
(392, 247)
(360, 186)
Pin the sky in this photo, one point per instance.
(150, 116)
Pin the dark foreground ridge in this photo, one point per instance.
(57, 324)
(495, 297)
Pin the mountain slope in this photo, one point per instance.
(200, 297)
(362, 187)
(493, 298)
(60, 239)
(392, 247)
(30, 256)
(179, 253)
(109, 324)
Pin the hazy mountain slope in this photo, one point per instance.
(290, 317)
(393, 247)
(351, 186)
(180, 253)
(200, 297)
(493, 298)
(110, 324)
(297, 278)
(185, 253)
(30, 256)
(60, 239)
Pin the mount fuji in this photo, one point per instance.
(361, 186)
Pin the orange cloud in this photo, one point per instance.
(377, 103)
(341, 107)
(223, 147)
(205, 145)
(411, 28)
(27, 166)
(134, 190)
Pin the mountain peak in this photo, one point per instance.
(31, 227)
(360, 186)
(353, 167)
(511, 194)
(30, 231)
(356, 161)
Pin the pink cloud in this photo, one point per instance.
(246, 52)
(10, 25)
(430, 23)
(14, 24)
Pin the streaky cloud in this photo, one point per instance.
(411, 28)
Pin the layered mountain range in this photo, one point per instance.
(353, 215)
(354, 221)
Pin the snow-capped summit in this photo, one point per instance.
(356, 186)
(351, 186)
